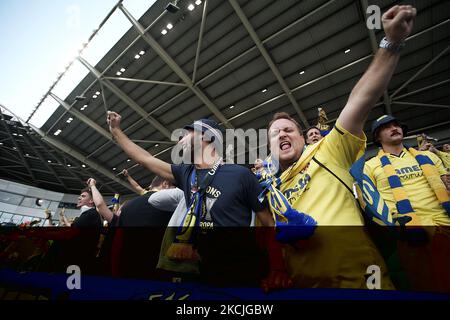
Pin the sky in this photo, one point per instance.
(39, 38)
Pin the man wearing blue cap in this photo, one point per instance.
(217, 195)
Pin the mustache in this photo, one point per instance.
(395, 132)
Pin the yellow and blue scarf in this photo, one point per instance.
(291, 224)
(196, 211)
(430, 172)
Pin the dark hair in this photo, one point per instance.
(310, 128)
(283, 115)
(88, 190)
(158, 181)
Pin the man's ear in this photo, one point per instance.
(166, 185)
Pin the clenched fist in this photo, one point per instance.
(91, 182)
(398, 22)
(113, 119)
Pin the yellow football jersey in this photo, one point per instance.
(420, 194)
(340, 251)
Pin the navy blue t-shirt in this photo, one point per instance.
(231, 196)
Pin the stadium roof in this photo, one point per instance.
(239, 62)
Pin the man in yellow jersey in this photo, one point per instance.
(389, 133)
(419, 177)
(317, 182)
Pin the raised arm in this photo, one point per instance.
(100, 204)
(397, 24)
(141, 156)
(136, 186)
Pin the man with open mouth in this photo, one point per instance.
(316, 180)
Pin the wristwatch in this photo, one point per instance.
(392, 46)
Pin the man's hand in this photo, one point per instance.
(113, 119)
(125, 172)
(48, 214)
(91, 182)
(398, 22)
(425, 146)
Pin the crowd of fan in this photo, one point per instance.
(293, 221)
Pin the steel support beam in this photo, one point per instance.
(146, 81)
(420, 71)
(82, 117)
(27, 179)
(110, 65)
(429, 127)
(421, 89)
(175, 67)
(13, 167)
(418, 34)
(430, 105)
(19, 150)
(269, 61)
(60, 160)
(374, 45)
(44, 161)
(172, 143)
(74, 153)
(94, 33)
(80, 157)
(273, 36)
(200, 39)
(11, 160)
(302, 86)
(125, 98)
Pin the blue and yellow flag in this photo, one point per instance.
(369, 198)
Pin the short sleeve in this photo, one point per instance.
(341, 147)
(252, 189)
(437, 162)
(181, 173)
(445, 157)
(166, 199)
(90, 218)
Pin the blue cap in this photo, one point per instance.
(384, 120)
(206, 125)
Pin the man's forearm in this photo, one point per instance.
(141, 156)
(368, 90)
(375, 80)
(100, 204)
(136, 186)
(131, 149)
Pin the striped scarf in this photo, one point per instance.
(182, 247)
(430, 172)
(291, 224)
